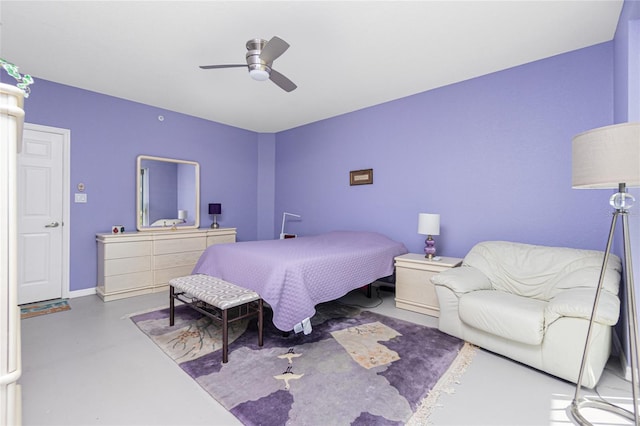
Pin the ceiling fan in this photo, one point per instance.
(260, 57)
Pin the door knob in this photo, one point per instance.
(52, 225)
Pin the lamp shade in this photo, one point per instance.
(607, 156)
(215, 208)
(429, 224)
(182, 214)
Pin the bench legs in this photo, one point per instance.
(260, 322)
(222, 318)
(225, 330)
(172, 305)
(225, 336)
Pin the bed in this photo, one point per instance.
(294, 275)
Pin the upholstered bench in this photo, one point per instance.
(219, 300)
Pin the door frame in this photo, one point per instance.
(66, 198)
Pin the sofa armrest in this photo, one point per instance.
(578, 303)
(462, 280)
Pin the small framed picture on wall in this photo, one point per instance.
(361, 177)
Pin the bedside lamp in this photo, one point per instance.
(284, 236)
(182, 215)
(429, 225)
(215, 209)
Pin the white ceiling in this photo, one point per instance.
(344, 55)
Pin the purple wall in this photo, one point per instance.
(627, 108)
(266, 179)
(107, 134)
(492, 155)
(627, 64)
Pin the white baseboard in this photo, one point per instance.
(622, 356)
(83, 292)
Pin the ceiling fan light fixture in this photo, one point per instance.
(259, 75)
(260, 56)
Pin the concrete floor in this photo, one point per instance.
(92, 366)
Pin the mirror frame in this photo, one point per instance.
(196, 224)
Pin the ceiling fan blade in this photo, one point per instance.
(281, 81)
(208, 67)
(273, 49)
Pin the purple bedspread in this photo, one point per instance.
(294, 275)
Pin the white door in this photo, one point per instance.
(42, 219)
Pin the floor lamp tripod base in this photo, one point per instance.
(584, 403)
(580, 403)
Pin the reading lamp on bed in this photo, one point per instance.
(284, 218)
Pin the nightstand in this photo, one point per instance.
(414, 290)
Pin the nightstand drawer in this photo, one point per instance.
(414, 290)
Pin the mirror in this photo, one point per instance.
(167, 193)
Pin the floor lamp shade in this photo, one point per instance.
(607, 156)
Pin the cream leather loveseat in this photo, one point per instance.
(532, 304)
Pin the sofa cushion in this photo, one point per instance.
(462, 280)
(504, 314)
(541, 272)
(578, 303)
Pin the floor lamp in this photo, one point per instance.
(609, 157)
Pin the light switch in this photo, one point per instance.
(81, 198)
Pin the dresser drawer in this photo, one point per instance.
(164, 261)
(162, 276)
(125, 249)
(179, 245)
(136, 280)
(220, 239)
(126, 265)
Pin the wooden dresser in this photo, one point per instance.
(137, 263)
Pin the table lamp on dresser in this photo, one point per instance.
(215, 209)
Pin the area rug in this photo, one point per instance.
(43, 308)
(355, 368)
